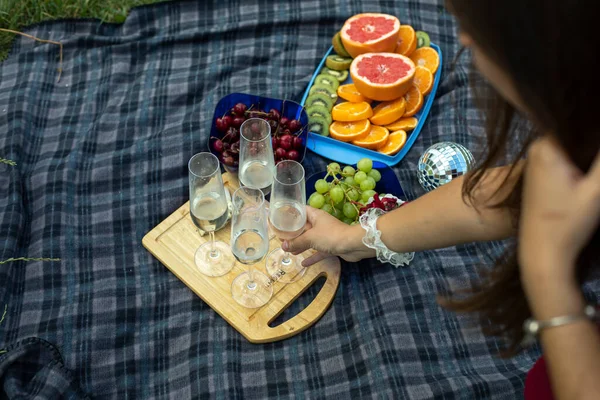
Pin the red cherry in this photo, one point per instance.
(297, 143)
(294, 125)
(274, 114)
(284, 121)
(273, 125)
(255, 128)
(226, 146)
(280, 153)
(229, 161)
(239, 109)
(286, 142)
(237, 122)
(275, 142)
(218, 146)
(293, 155)
(224, 123)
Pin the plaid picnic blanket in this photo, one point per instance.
(101, 159)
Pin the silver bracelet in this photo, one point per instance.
(533, 327)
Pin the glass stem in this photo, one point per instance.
(214, 253)
(251, 285)
(286, 258)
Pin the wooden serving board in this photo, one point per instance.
(174, 242)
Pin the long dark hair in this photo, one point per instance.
(551, 52)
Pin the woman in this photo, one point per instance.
(543, 59)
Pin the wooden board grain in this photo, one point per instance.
(174, 242)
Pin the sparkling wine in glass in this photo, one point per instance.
(287, 215)
(256, 155)
(209, 212)
(250, 243)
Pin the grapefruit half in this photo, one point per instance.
(382, 76)
(370, 33)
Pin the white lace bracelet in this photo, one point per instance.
(372, 240)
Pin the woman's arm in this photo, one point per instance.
(561, 208)
(438, 219)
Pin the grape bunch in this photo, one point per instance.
(343, 192)
(285, 132)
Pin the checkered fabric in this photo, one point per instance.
(101, 159)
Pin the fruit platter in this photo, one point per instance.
(346, 193)
(287, 119)
(372, 91)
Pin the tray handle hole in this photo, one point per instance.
(300, 303)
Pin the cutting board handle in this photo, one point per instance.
(308, 316)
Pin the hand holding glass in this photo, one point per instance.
(287, 215)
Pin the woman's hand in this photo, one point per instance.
(560, 212)
(330, 237)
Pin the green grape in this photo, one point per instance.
(381, 195)
(340, 205)
(334, 168)
(327, 208)
(349, 181)
(367, 194)
(365, 165)
(321, 186)
(317, 201)
(360, 177)
(367, 184)
(376, 175)
(348, 171)
(327, 198)
(353, 194)
(337, 194)
(347, 221)
(337, 213)
(354, 223)
(350, 211)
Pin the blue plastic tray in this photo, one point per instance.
(388, 184)
(350, 154)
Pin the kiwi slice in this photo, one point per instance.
(318, 125)
(422, 39)
(327, 90)
(328, 80)
(338, 63)
(319, 99)
(319, 111)
(341, 76)
(338, 46)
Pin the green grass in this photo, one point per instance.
(16, 14)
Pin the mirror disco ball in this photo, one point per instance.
(443, 162)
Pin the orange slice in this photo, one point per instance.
(350, 93)
(394, 144)
(388, 111)
(350, 112)
(404, 124)
(423, 80)
(426, 57)
(349, 131)
(377, 137)
(414, 101)
(407, 42)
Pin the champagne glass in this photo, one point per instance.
(209, 212)
(250, 243)
(287, 215)
(256, 155)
